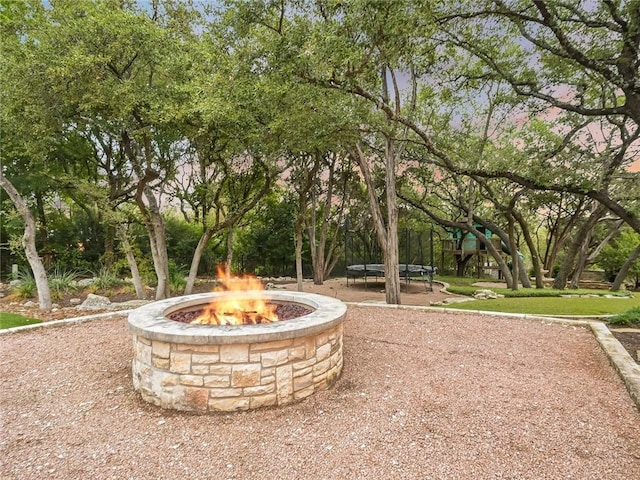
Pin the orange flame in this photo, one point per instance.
(232, 309)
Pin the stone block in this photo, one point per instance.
(322, 338)
(234, 353)
(284, 382)
(321, 367)
(199, 369)
(323, 352)
(220, 369)
(205, 358)
(259, 390)
(162, 363)
(263, 401)
(304, 393)
(303, 382)
(196, 399)
(216, 381)
(169, 379)
(180, 362)
(305, 364)
(143, 353)
(297, 353)
(275, 358)
(302, 372)
(228, 404)
(245, 375)
(225, 392)
(191, 380)
(187, 347)
(160, 349)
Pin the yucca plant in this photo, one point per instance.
(106, 278)
(27, 286)
(61, 282)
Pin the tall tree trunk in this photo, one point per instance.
(230, 237)
(560, 281)
(582, 261)
(299, 226)
(157, 235)
(195, 260)
(150, 214)
(461, 264)
(624, 271)
(29, 243)
(392, 272)
(131, 260)
(561, 236)
(515, 258)
(535, 256)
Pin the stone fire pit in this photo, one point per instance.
(212, 368)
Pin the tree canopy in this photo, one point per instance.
(521, 117)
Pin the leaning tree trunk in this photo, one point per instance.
(133, 264)
(29, 244)
(195, 261)
(622, 274)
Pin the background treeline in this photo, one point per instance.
(159, 138)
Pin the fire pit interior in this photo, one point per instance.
(224, 364)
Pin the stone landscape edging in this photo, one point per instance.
(63, 322)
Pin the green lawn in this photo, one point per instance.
(545, 301)
(553, 305)
(9, 320)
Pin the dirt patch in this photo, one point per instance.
(631, 343)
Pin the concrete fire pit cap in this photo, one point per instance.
(151, 321)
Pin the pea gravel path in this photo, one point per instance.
(423, 395)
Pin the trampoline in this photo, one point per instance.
(377, 270)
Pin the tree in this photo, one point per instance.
(111, 65)
(29, 243)
(576, 63)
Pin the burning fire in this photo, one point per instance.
(233, 309)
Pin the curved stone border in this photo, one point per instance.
(627, 368)
(150, 320)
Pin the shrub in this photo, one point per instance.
(106, 278)
(61, 282)
(177, 276)
(27, 286)
(630, 317)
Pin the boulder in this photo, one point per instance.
(95, 302)
(486, 294)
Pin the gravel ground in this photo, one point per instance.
(423, 395)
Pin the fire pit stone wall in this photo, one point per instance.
(209, 369)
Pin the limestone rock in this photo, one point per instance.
(95, 302)
(486, 294)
